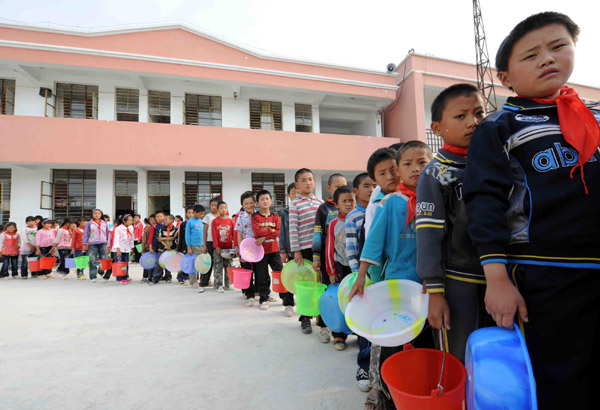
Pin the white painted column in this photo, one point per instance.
(288, 117)
(29, 102)
(235, 182)
(176, 191)
(378, 125)
(315, 119)
(318, 187)
(236, 113)
(143, 107)
(105, 199)
(106, 105)
(25, 192)
(176, 110)
(142, 192)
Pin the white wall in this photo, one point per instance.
(29, 102)
(25, 192)
(106, 104)
(236, 113)
(288, 117)
(235, 181)
(176, 191)
(142, 192)
(105, 184)
(176, 109)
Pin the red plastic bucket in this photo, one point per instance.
(277, 284)
(230, 274)
(35, 266)
(119, 269)
(241, 278)
(47, 262)
(105, 264)
(412, 378)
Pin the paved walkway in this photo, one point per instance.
(68, 344)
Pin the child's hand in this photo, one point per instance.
(260, 240)
(119, 254)
(316, 264)
(218, 250)
(298, 258)
(502, 299)
(203, 248)
(333, 279)
(38, 252)
(284, 257)
(438, 311)
(189, 249)
(358, 287)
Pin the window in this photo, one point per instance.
(303, 117)
(7, 97)
(201, 187)
(202, 110)
(5, 177)
(74, 192)
(275, 184)
(126, 189)
(159, 183)
(76, 101)
(265, 115)
(159, 106)
(128, 104)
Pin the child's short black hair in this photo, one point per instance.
(199, 208)
(246, 195)
(341, 190)
(413, 144)
(263, 192)
(138, 215)
(528, 25)
(146, 221)
(80, 220)
(106, 217)
(29, 218)
(302, 171)
(169, 216)
(217, 200)
(291, 186)
(382, 154)
(152, 216)
(65, 222)
(396, 146)
(38, 217)
(10, 224)
(221, 203)
(358, 179)
(334, 176)
(159, 212)
(189, 208)
(456, 90)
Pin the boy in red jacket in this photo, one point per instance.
(222, 235)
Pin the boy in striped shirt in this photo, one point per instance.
(302, 222)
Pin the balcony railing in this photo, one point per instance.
(434, 142)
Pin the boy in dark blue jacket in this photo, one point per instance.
(532, 190)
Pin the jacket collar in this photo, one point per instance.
(446, 157)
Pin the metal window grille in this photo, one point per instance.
(5, 181)
(74, 192)
(128, 104)
(303, 117)
(275, 184)
(126, 184)
(265, 115)
(159, 183)
(7, 97)
(201, 187)
(159, 106)
(434, 142)
(76, 101)
(202, 110)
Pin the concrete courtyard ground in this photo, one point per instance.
(68, 344)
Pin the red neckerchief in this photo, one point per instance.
(169, 230)
(128, 232)
(411, 208)
(330, 201)
(456, 150)
(11, 236)
(99, 223)
(578, 125)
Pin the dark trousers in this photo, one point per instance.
(63, 254)
(159, 273)
(364, 353)
(13, 261)
(562, 332)
(467, 314)
(45, 251)
(24, 265)
(147, 273)
(263, 279)
(249, 292)
(136, 255)
(205, 277)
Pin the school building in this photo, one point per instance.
(165, 116)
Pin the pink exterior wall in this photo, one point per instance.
(67, 140)
(181, 44)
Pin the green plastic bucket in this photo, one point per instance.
(82, 262)
(139, 247)
(307, 297)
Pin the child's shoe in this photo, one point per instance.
(325, 335)
(264, 305)
(272, 299)
(362, 380)
(220, 289)
(93, 280)
(288, 311)
(250, 302)
(339, 343)
(104, 280)
(81, 278)
(64, 276)
(201, 289)
(306, 326)
(144, 280)
(186, 283)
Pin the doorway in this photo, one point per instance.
(124, 205)
(159, 203)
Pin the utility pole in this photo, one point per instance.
(485, 80)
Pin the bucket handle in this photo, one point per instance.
(443, 337)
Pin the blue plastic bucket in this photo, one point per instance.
(330, 311)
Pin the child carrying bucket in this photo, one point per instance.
(392, 237)
(123, 242)
(10, 241)
(243, 230)
(94, 238)
(44, 241)
(62, 242)
(77, 244)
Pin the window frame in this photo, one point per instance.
(258, 181)
(150, 115)
(305, 108)
(5, 190)
(211, 110)
(129, 112)
(129, 192)
(256, 123)
(84, 211)
(216, 177)
(95, 96)
(4, 100)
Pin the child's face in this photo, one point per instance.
(11, 229)
(541, 62)
(136, 219)
(128, 221)
(160, 218)
(346, 203)
(152, 220)
(459, 119)
(335, 184)
(169, 220)
(199, 215)
(72, 225)
(222, 210)
(31, 224)
(189, 213)
(386, 175)
(248, 204)
(411, 163)
(47, 225)
(82, 222)
(364, 190)
(293, 194)
(265, 201)
(96, 215)
(306, 183)
(213, 207)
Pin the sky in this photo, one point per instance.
(365, 34)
